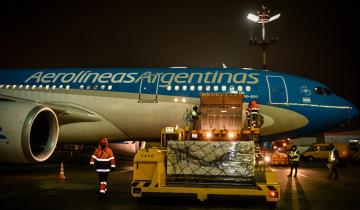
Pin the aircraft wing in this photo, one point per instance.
(66, 113)
(32, 129)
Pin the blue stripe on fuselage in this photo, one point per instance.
(129, 80)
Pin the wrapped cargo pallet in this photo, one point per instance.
(206, 161)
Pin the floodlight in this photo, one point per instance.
(253, 17)
(231, 135)
(274, 17)
(267, 159)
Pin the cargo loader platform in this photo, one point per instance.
(224, 163)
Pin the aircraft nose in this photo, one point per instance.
(354, 111)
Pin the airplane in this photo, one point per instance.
(42, 107)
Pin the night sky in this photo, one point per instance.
(317, 39)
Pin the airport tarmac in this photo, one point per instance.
(38, 187)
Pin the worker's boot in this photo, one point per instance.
(102, 190)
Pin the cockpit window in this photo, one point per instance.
(322, 91)
(319, 90)
(327, 91)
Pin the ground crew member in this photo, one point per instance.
(195, 117)
(252, 114)
(333, 159)
(294, 157)
(103, 160)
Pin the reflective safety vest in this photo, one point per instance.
(103, 159)
(294, 156)
(194, 113)
(332, 157)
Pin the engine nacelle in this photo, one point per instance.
(28, 132)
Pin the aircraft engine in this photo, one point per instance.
(28, 132)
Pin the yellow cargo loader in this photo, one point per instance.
(204, 166)
(150, 177)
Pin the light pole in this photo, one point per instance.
(262, 17)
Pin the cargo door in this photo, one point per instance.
(148, 88)
(277, 90)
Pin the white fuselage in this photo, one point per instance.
(130, 119)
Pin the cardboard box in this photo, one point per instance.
(221, 111)
(221, 118)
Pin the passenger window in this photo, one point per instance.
(232, 88)
(176, 87)
(7, 86)
(1, 86)
(240, 88)
(110, 87)
(68, 87)
(168, 88)
(216, 88)
(248, 88)
(14, 86)
(327, 91)
(33, 87)
(102, 87)
(81, 87)
(200, 88)
(223, 88)
(53, 87)
(192, 87)
(95, 87)
(184, 87)
(47, 87)
(319, 90)
(61, 86)
(207, 87)
(27, 86)
(20, 86)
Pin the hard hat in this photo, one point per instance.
(103, 141)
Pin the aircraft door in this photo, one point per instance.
(277, 90)
(148, 89)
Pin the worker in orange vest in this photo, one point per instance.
(103, 160)
(252, 113)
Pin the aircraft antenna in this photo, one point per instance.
(262, 17)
